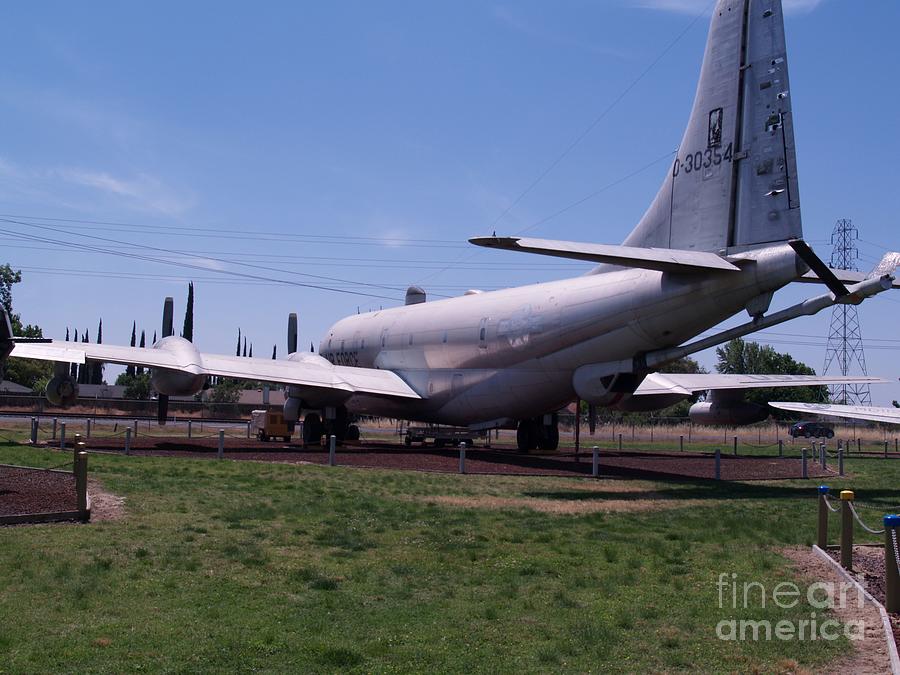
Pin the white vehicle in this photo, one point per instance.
(721, 237)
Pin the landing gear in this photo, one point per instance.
(538, 432)
(312, 430)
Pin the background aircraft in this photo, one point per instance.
(856, 412)
(721, 237)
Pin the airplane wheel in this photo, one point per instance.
(526, 436)
(312, 429)
(352, 433)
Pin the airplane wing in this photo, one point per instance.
(660, 259)
(302, 369)
(858, 412)
(690, 383)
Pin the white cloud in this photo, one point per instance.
(697, 6)
(515, 21)
(144, 192)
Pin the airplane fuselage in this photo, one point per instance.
(511, 354)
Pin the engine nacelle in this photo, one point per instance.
(293, 406)
(186, 382)
(62, 391)
(605, 384)
(730, 413)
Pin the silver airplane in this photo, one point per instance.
(721, 237)
(867, 413)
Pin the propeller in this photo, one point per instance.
(806, 254)
(162, 404)
(292, 333)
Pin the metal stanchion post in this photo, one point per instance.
(822, 532)
(87, 433)
(62, 435)
(858, 444)
(780, 448)
(34, 430)
(803, 461)
(595, 459)
(891, 562)
(620, 442)
(846, 530)
(681, 443)
(190, 429)
(76, 441)
(127, 440)
(135, 428)
(840, 461)
(462, 457)
(735, 446)
(718, 464)
(823, 456)
(221, 443)
(53, 437)
(80, 470)
(332, 444)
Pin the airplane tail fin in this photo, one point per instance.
(733, 184)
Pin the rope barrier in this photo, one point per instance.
(38, 468)
(831, 508)
(861, 523)
(759, 447)
(896, 548)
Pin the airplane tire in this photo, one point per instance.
(352, 433)
(312, 429)
(526, 436)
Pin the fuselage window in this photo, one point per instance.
(445, 337)
(483, 330)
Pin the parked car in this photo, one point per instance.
(812, 429)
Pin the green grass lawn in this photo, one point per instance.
(221, 565)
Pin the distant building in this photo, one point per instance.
(7, 387)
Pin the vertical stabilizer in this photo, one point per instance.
(734, 181)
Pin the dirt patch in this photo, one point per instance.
(105, 505)
(383, 455)
(566, 499)
(868, 655)
(558, 507)
(26, 491)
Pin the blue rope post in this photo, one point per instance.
(891, 563)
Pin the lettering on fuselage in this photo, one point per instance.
(350, 358)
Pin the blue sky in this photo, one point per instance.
(366, 141)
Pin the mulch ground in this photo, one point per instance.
(28, 491)
(384, 455)
(868, 570)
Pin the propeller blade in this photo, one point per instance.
(806, 254)
(292, 333)
(162, 409)
(168, 313)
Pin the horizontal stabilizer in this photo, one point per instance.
(887, 265)
(659, 259)
(689, 383)
(856, 412)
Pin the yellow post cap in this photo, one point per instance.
(847, 495)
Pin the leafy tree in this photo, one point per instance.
(228, 390)
(274, 352)
(751, 358)
(896, 404)
(237, 351)
(27, 372)
(97, 368)
(187, 332)
(136, 386)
